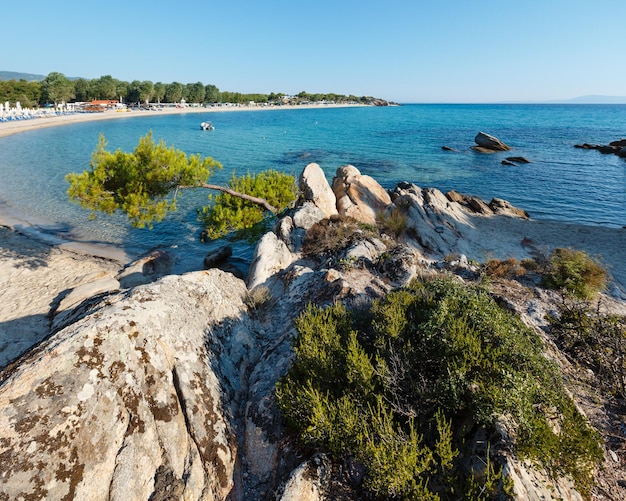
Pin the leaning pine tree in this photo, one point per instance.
(144, 184)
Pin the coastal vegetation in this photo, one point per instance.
(595, 340)
(425, 379)
(56, 88)
(144, 184)
(575, 272)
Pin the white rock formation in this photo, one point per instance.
(359, 196)
(270, 256)
(315, 188)
(123, 397)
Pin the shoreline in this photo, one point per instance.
(17, 126)
(498, 238)
(32, 228)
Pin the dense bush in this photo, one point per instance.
(403, 387)
(576, 272)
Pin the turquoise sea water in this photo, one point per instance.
(391, 144)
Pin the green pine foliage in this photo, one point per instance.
(139, 183)
(144, 184)
(388, 387)
(228, 213)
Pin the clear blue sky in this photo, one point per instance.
(400, 50)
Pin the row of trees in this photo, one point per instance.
(56, 88)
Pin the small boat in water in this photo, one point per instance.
(207, 126)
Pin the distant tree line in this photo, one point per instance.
(56, 88)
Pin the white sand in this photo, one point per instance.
(34, 277)
(15, 126)
(501, 237)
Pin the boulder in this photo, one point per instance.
(477, 205)
(315, 188)
(401, 265)
(488, 144)
(454, 196)
(369, 250)
(307, 215)
(218, 256)
(309, 481)
(359, 196)
(271, 255)
(505, 208)
(127, 400)
(147, 269)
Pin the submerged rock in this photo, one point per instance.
(518, 160)
(614, 147)
(217, 257)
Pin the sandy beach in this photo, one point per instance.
(37, 272)
(15, 126)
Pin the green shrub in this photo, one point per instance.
(575, 272)
(389, 385)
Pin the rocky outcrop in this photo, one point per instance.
(435, 221)
(166, 391)
(271, 255)
(615, 147)
(127, 398)
(488, 144)
(147, 269)
(359, 196)
(315, 188)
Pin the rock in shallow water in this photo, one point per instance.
(488, 144)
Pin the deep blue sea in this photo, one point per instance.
(391, 144)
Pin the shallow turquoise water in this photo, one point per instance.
(391, 144)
